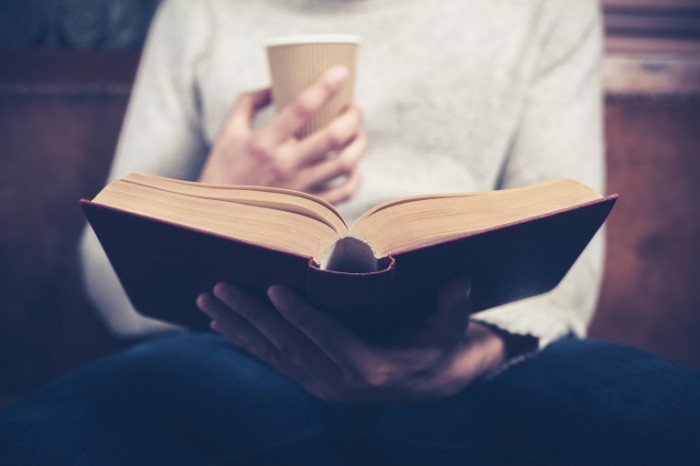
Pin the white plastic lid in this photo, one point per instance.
(314, 39)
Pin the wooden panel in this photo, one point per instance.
(57, 138)
(652, 25)
(75, 23)
(651, 294)
(661, 4)
(650, 297)
(654, 75)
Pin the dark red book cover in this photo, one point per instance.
(164, 266)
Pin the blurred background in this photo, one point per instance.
(66, 69)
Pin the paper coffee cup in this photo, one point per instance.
(297, 61)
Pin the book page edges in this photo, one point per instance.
(348, 254)
(88, 204)
(609, 199)
(353, 255)
(146, 180)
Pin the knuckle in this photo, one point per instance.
(303, 108)
(280, 170)
(345, 163)
(260, 148)
(380, 375)
(328, 87)
(335, 137)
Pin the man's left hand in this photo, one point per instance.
(334, 364)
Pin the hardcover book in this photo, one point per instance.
(169, 240)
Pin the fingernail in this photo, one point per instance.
(201, 301)
(202, 305)
(338, 74)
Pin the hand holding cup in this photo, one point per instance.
(323, 162)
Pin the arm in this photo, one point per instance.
(560, 135)
(332, 363)
(162, 134)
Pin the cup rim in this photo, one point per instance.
(298, 39)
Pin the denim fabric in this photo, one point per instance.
(193, 399)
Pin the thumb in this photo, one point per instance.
(247, 105)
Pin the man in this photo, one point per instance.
(459, 96)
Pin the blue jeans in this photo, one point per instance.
(193, 399)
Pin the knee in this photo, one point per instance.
(607, 393)
(201, 363)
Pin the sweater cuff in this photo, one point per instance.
(535, 320)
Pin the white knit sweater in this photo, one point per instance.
(458, 96)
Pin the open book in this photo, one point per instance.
(169, 240)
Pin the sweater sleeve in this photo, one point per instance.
(161, 134)
(560, 135)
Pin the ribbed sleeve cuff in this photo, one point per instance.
(529, 317)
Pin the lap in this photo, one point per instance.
(194, 399)
(185, 399)
(576, 402)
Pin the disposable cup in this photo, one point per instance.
(297, 61)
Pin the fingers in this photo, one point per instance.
(293, 345)
(247, 337)
(244, 110)
(260, 330)
(295, 115)
(339, 133)
(272, 155)
(313, 178)
(331, 337)
(344, 191)
(241, 333)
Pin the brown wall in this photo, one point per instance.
(60, 114)
(651, 291)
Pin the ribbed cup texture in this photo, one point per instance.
(294, 67)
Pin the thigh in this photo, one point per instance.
(185, 399)
(577, 402)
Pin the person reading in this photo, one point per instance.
(451, 97)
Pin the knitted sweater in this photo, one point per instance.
(458, 96)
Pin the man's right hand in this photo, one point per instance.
(324, 164)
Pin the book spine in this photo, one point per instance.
(362, 301)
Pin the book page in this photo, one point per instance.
(283, 230)
(415, 222)
(262, 196)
